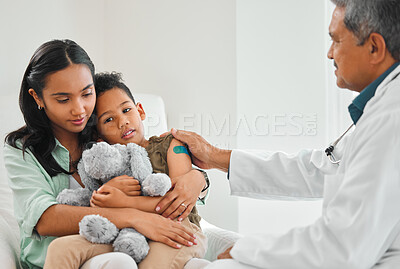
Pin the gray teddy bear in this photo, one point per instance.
(98, 165)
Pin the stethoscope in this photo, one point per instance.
(329, 150)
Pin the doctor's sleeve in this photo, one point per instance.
(32, 192)
(359, 222)
(277, 175)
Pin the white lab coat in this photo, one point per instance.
(360, 223)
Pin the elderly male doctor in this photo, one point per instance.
(360, 223)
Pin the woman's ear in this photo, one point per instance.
(38, 101)
(140, 109)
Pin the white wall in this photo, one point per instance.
(280, 85)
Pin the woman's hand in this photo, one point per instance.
(226, 254)
(108, 196)
(183, 197)
(158, 228)
(128, 185)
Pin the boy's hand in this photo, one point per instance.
(127, 185)
(108, 196)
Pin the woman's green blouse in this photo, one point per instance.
(34, 191)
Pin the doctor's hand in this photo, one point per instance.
(203, 154)
(226, 254)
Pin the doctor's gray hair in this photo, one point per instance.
(363, 17)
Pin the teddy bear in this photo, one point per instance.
(101, 162)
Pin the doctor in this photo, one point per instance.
(360, 181)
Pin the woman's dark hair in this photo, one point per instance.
(106, 81)
(37, 134)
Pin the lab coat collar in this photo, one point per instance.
(356, 108)
(381, 88)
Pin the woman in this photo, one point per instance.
(57, 99)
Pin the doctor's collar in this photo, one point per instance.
(356, 108)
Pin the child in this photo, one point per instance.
(119, 120)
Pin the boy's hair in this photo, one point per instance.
(106, 81)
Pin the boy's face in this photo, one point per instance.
(119, 119)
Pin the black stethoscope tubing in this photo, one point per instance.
(329, 150)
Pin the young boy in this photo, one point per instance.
(119, 120)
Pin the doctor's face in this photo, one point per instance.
(350, 59)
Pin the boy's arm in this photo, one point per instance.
(109, 196)
(187, 183)
(178, 159)
(127, 184)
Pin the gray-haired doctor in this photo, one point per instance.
(360, 223)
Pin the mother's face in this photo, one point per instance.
(68, 99)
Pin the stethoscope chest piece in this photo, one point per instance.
(329, 150)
